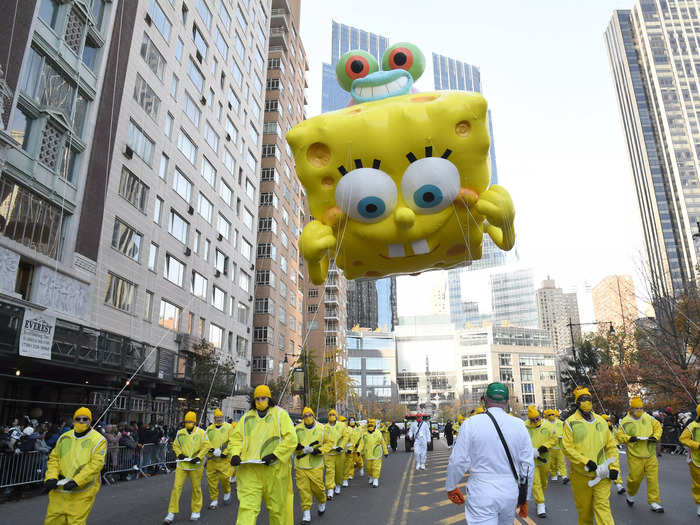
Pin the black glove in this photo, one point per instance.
(211, 451)
(194, 461)
(50, 484)
(181, 456)
(358, 453)
(299, 446)
(338, 449)
(542, 449)
(652, 439)
(633, 439)
(613, 474)
(70, 485)
(591, 466)
(386, 455)
(269, 459)
(235, 461)
(316, 451)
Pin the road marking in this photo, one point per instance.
(453, 519)
(404, 514)
(529, 521)
(395, 508)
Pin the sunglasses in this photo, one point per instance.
(82, 420)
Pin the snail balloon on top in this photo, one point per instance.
(398, 181)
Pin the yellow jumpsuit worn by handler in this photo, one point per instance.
(218, 466)
(75, 462)
(618, 482)
(385, 432)
(543, 437)
(190, 445)
(232, 470)
(313, 443)
(557, 463)
(335, 457)
(690, 437)
(261, 446)
(592, 454)
(640, 432)
(352, 458)
(372, 447)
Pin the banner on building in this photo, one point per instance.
(36, 337)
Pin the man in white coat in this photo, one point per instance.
(420, 434)
(492, 491)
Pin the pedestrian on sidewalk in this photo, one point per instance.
(372, 447)
(492, 490)
(420, 434)
(448, 433)
(640, 432)
(394, 433)
(191, 445)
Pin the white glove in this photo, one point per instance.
(308, 450)
(62, 482)
(18, 451)
(602, 471)
(217, 452)
(537, 453)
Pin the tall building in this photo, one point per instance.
(278, 322)
(654, 59)
(362, 304)
(372, 365)
(615, 301)
(555, 310)
(513, 298)
(129, 196)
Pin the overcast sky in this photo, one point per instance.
(559, 141)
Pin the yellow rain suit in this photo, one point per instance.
(335, 460)
(557, 463)
(352, 460)
(385, 432)
(309, 467)
(641, 455)
(193, 444)
(80, 459)
(543, 435)
(218, 468)
(690, 437)
(585, 441)
(254, 438)
(372, 447)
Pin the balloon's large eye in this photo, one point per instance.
(404, 56)
(353, 65)
(366, 195)
(429, 185)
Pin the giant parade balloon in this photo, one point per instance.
(398, 181)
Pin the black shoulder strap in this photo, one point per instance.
(505, 446)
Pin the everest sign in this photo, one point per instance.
(36, 337)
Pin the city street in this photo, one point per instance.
(405, 497)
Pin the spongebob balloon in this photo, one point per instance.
(397, 182)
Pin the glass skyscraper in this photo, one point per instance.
(371, 303)
(654, 59)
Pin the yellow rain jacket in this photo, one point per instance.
(317, 437)
(195, 444)
(544, 435)
(372, 445)
(385, 432)
(78, 458)
(354, 435)
(255, 437)
(645, 426)
(337, 436)
(218, 438)
(558, 425)
(584, 441)
(690, 437)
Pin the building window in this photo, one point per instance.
(244, 281)
(146, 97)
(238, 45)
(262, 334)
(48, 10)
(153, 257)
(505, 360)
(159, 19)
(313, 292)
(205, 208)
(225, 192)
(157, 207)
(174, 270)
(221, 261)
(216, 335)
(267, 224)
(173, 86)
(120, 293)
(221, 44)
(199, 42)
(269, 199)
(218, 299)
(139, 142)
(169, 123)
(192, 110)
(148, 307)
(265, 278)
(267, 250)
(223, 227)
(506, 375)
(264, 305)
(169, 316)
(211, 137)
(199, 285)
(178, 227)
(242, 313)
(182, 186)
(269, 151)
(152, 56)
(126, 240)
(187, 147)
(20, 128)
(195, 75)
(474, 360)
(133, 189)
(204, 12)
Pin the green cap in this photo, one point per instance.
(497, 392)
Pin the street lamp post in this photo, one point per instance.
(571, 331)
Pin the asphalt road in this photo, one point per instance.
(405, 497)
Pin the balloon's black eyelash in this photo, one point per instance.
(342, 170)
(428, 153)
(358, 164)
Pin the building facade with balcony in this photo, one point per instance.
(129, 196)
(279, 278)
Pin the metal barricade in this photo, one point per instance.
(141, 461)
(157, 455)
(121, 459)
(22, 469)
